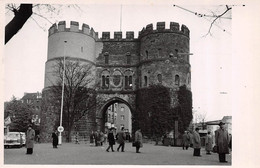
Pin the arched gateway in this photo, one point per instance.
(103, 117)
(121, 67)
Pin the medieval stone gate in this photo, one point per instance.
(121, 65)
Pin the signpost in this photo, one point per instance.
(60, 129)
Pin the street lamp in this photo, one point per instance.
(60, 129)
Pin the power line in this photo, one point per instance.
(199, 14)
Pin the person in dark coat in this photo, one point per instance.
(222, 140)
(54, 139)
(111, 140)
(138, 140)
(196, 142)
(121, 140)
(92, 138)
(30, 135)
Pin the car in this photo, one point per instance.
(14, 139)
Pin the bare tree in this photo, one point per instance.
(213, 16)
(41, 14)
(79, 91)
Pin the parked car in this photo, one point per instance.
(23, 138)
(14, 139)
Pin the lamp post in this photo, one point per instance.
(60, 129)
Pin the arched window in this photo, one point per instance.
(177, 80)
(145, 81)
(159, 76)
(128, 79)
(159, 52)
(106, 55)
(146, 53)
(128, 58)
(105, 79)
(128, 82)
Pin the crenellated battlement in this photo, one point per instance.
(160, 27)
(117, 36)
(85, 29)
(74, 27)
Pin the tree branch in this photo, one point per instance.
(21, 16)
(218, 17)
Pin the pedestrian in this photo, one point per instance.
(30, 134)
(185, 140)
(92, 138)
(77, 138)
(222, 140)
(96, 137)
(138, 140)
(209, 143)
(121, 140)
(101, 134)
(111, 140)
(38, 138)
(191, 138)
(196, 142)
(105, 137)
(54, 139)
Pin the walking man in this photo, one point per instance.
(138, 140)
(196, 142)
(111, 140)
(30, 134)
(222, 140)
(121, 140)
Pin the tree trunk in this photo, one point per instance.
(21, 16)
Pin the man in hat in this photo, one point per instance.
(30, 134)
(222, 139)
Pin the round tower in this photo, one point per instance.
(73, 43)
(76, 46)
(164, 56)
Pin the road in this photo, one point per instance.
(84, 154)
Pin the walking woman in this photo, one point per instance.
(111, 140)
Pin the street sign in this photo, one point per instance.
(60, 129)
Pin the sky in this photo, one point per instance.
(211, 63)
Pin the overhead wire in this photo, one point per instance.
(204, 16)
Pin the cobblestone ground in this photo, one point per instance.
(84, 154)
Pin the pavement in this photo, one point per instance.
(84, 154)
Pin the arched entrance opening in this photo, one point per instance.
(116, 113)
